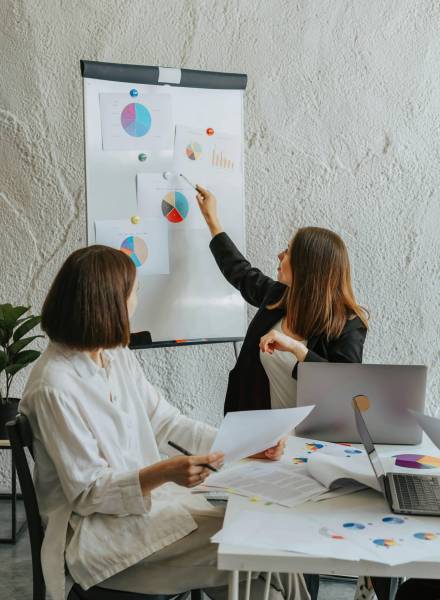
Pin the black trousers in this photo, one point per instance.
(423, 589)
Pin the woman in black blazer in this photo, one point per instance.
(310, 313)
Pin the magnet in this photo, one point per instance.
(134, 93)
(210, 131)
(135, 220)
(142, 157)
(167, 175)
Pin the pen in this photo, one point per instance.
(188, 181)
(186, 453)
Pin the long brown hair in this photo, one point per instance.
(320, 299)
(86, 307)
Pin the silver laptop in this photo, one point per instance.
(331, 387)
(406, 493)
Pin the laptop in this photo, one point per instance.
(330, 386)
(406, 493)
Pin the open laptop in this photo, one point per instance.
(330, 387)
(406, 493)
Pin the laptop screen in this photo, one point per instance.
(365, 436)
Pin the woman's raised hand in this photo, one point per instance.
(208, 207)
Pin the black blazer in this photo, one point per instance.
(248, 386)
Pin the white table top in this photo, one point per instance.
(243, 558)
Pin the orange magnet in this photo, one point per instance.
(210, 131)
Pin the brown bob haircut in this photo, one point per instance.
(86, 307)
(320, 299)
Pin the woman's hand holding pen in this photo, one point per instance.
(275, 340)
(187, 471)
(208, 207)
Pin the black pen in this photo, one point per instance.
(186, 453)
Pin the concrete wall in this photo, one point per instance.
(342, 130)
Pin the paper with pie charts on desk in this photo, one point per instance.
(245, 433)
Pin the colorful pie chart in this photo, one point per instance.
(385, 543)
(426, 536)
(136, 119)
(417, 461)
(393, 520)
(175, 207)
(313, 447)
(299, 460)
(136, 249)
(353, 526)
(193, 151)
(329, 533)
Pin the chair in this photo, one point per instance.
(20, 436)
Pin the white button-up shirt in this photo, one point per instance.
(94, 428)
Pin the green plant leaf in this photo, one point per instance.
(4, 336)
(13, 369)
(20, 344)
(25, 327)
(3, 360)
(25, 357)
(10, 313)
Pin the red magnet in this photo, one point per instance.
(210, 131)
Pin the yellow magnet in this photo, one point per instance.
(135, 220)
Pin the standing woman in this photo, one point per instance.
(310, 314)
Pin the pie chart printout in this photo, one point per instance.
(426, 536)
(194, 151)
(385, 543)
(175, 207)
(136, 249)
(136, 119)
(417, 461)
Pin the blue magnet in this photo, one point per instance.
(134, 93)
(142, 157)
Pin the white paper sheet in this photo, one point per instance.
(140, 123)
(197, 153)
(171, 200)
(245, 433)
(430, 425)
(284, 531)
(385, 537)
(145, 243)
(274, 481)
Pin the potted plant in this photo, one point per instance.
(13, 328)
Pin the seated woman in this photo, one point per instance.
(111, 507)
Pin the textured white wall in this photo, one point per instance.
(342, 130)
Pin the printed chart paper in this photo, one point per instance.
(146, 243)
(141, 123)
(386, 537)
(172, 201)
(244, 433)
(285, 531)
(280, 482)
(195, 153)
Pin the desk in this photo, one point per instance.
(242, 558)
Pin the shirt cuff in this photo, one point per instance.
(134, 502)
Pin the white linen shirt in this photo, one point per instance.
(93, 429)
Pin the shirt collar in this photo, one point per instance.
(81, 361)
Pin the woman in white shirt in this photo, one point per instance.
(110, 505)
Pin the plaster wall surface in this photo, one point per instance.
(342, 131)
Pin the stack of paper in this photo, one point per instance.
(361, 534)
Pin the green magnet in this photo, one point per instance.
(142, 157)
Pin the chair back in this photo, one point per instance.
(20, 436)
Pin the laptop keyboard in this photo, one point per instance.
(417, 492)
